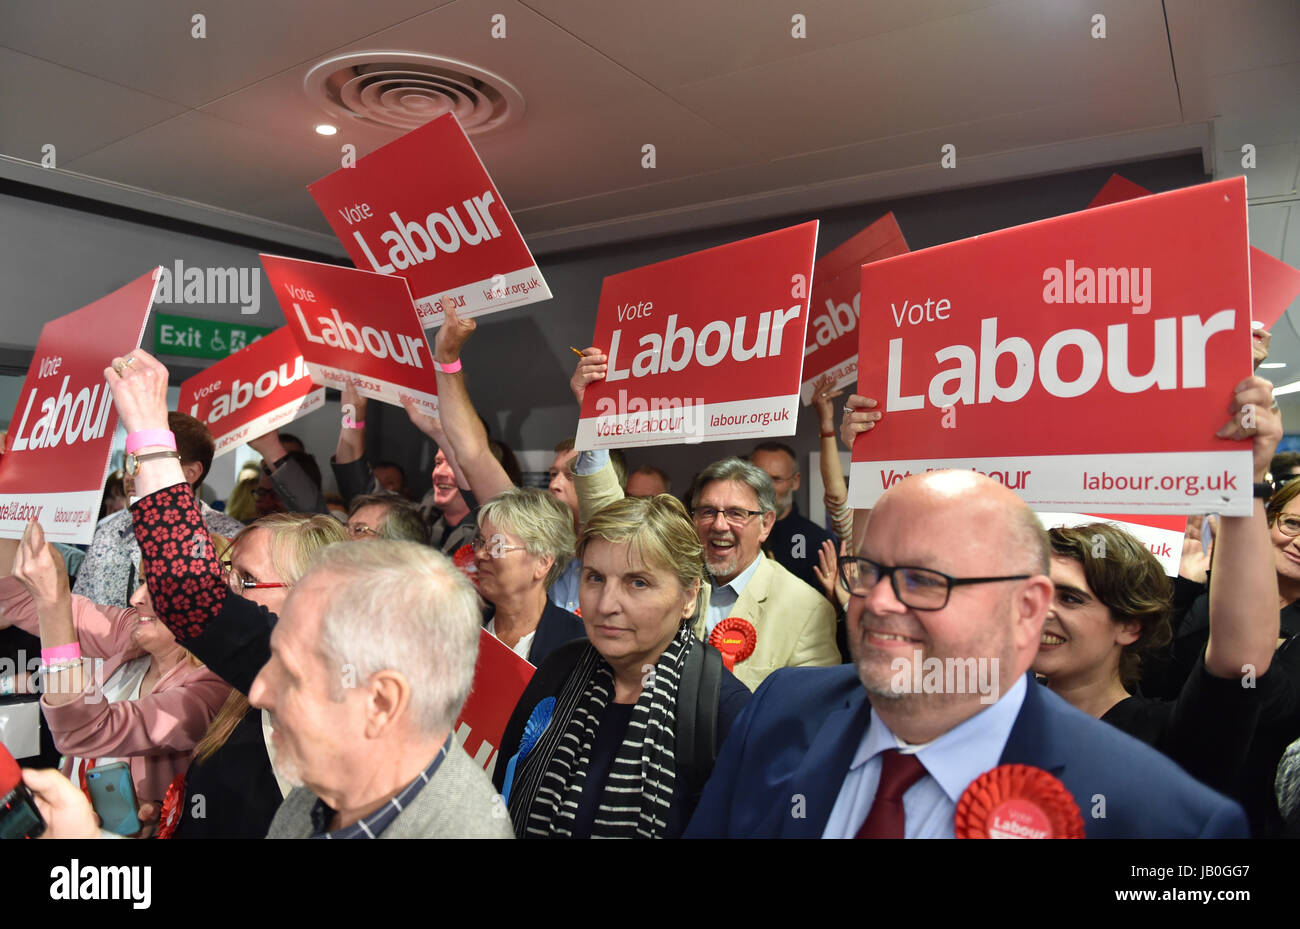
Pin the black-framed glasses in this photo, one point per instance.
(917, 588)
(735, 515)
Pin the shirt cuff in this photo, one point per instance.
(589, 463)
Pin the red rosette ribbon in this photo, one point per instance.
(463, 558)
(1017, 801)
(169, 817)
(735, 638)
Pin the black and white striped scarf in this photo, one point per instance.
(639, 789)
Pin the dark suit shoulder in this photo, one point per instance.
(556, 627)
(1141, 792)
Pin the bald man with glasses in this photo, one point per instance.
(953, 571)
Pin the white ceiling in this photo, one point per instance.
(747, 120)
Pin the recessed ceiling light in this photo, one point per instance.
(1274, 364)
(1293, 387)
(326, 129)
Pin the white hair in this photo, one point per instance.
(402, 606)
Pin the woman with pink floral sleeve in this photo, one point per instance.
(149, 704)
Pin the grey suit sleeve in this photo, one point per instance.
(296, 489)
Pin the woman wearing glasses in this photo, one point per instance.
(524, 542)
(150, 702)
(232, 762)
(220, 611)
(615, 736)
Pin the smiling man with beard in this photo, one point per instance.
(953, 567)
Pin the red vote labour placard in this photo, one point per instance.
(61, 433)
(358, 327)
(500, 677)
(262, 387)
(423, 207)
(832, 346)
(705, 347)
(1084, 361)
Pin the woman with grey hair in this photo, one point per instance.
(524, 542)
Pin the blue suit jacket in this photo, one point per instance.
(791, 747)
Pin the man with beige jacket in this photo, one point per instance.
(733, 506)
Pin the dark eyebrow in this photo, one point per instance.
(1067, 588)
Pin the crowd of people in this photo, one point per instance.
(709, 665)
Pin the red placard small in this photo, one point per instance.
(356, 327)
(259, 388)
(423, 207)
(61, 433)
(705, 347)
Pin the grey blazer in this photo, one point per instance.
(458, 803)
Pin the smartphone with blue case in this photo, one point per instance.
(113, 796)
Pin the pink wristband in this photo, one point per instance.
(146, 437)
(450, 368)
(359, 424)
(69, 652)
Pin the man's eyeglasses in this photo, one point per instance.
(917, 588)
(1288, 525)
(735, 515)
(238, 582)
(361, 530)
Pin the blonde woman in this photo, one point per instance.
(232, 762)
(150, 702)
(615, 737)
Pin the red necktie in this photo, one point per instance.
(897, 773)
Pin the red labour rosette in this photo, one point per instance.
(169, 816)
(735, 638)
(1017, 801)
(463, 558)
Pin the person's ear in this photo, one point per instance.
(192, 471)
(693, 598)
(1032, 603)
(388, 697)
(1129, 632)
(797, 483)
(766, 522)
(541, 565)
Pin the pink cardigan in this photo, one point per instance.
(158, 732)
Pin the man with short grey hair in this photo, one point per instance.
(371, 662)
(733, 506)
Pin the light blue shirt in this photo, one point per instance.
(564, 592)
(722, 599)
(951, 762)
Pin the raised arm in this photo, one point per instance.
(835, 490)
(460, 421)
(39, 569)
(1243, 584)
(432, 427)
(860, 415)
(292, 482)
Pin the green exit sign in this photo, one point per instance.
(201, 338)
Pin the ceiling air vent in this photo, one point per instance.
(402, 90)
